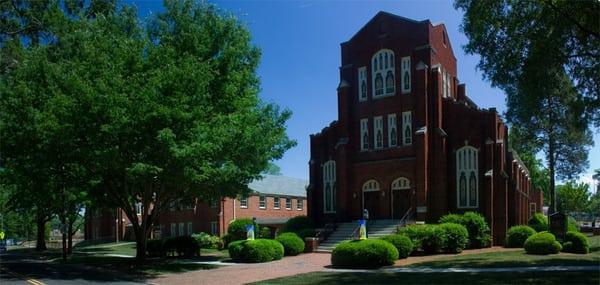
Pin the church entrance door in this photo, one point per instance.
(371, 200)
(400, 203)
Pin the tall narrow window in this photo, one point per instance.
(329, 195)
(383, 73)
(406, 75)
(378, 129)
(407, 127)
(364, 134)
(467, 177)
(444, 89)
(244, 202)
(214, 228)
(392, 133)
(362, 81)
(189, 225)
(262, 202)
(299, 204)
(276, 203)
(448, 84)
(288, 203)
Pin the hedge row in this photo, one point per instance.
(478, 229)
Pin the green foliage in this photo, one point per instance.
(258, 250)
(538, 222)
(306, 233)
(572, 225)
(205, 240)
(433, 239)
(369, 253)
(237, 229)
(292, 244)
(264, 232)
(573, 197)
(403, 244)
(298, 223)
(576, 242)
(451, 218)
(164, 109)
(456, 237)
(415, 233)
(517, 235)
(542, 243)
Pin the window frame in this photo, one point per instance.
(288, 203)
(406, 69)
(378, 131)
(190, 228)
(214, 227)
(362, 81)
(329, 191)
(276, 203)
(467, 167)
(364, 134)
(299, 204)
(244, 202)
(392, 127)
(407, 123)
(262, 202)
(382, 66)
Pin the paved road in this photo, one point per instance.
(19, 270)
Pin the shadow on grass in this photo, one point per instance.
(438, 278)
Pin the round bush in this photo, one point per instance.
(572, 225)
(457, 237)
(517, 235)
(402, 243)
(237, 229)
(542, 243)
(479, 231)
(538, 222)
(451, 218)
(258, 250)
(576, 242)
(415, 233)
(433, 239)
(205, 240)
(298, 223)
(292, 244)
(368, 253)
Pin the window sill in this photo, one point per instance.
(385, 95)
(262, 208)
(244, 207)
(289, 209)
(299, 209)
(276, 208)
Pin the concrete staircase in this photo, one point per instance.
(375, 229)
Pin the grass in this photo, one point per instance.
(518, 258)
(487, 278)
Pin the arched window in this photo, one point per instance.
(378, 129)
(370, 186)
(467, 181)
(389, 82)
(383, 61)
(362, 79)
(401, 183)
(405, 75)
(329, 194)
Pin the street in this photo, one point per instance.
(15, 269)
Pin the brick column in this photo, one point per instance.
(420, 140)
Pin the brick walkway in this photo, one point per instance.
(246, 273)
(288, 266)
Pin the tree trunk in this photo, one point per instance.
(40, 243)
(64, 237)
(140, 242)
(551, 166)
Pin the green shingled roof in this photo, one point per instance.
(280, 185)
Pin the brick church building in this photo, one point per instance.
(409, 141)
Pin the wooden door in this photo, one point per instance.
(401, 202)
(372, 204)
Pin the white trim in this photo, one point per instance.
(288, 201)
(362, 84)
(467, 164)
(276, 203)
(244, 200)
(329, 179)
(371, 185)
(364, 131)
(392, 126)
(382, 66)
(260, 202)
(406, 70)
(401, 183)
(377, 130)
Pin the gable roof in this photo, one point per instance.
(389, 15)
(279, 185)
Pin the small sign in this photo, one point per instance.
(249, 232)
(362, 232)
(1, 235)
(558, 225)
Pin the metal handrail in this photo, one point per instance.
(353, 234)
(402, 222)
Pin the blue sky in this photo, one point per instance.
(300, 43)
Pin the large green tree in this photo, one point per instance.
(573, 197)
(535, 51)
(154, 112)
(505, 33)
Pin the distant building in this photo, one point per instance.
(408, 140)
(273, 201)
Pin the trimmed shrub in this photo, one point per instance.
(369, 253)
(264, 232)
(479, 231)
(451, 218)
(402, 243)
(292, 244)
(258, 250)
(415, 233)
(538, 222)
(306, 233)
(237, 229)
(154, 247)
(456, 237)
(542, 243)
(517, 235)
(170, 246)
(572, 225)
(226, 238)
(205, 240)
(433, 239)
(187, 246)
(298, 223)
(576, 242)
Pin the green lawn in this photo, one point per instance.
(518, 258)
(439, 278)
